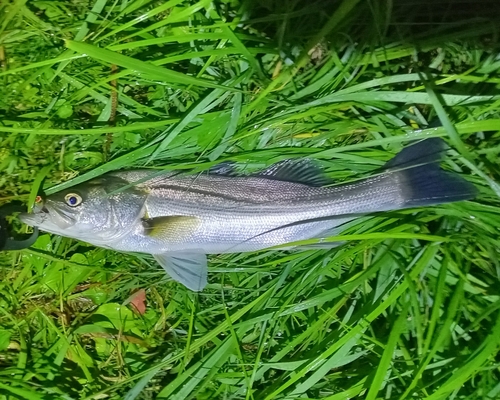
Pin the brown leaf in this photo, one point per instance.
(138, 301)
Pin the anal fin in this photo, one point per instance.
(190, 269)
(319, 246)
(323, 243)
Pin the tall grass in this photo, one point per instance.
(407, 308)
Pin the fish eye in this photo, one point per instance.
(73, 199)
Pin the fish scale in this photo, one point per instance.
(252, 223)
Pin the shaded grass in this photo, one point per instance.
(407, 308)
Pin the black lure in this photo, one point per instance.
(8, 241)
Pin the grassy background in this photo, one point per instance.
(408, 308)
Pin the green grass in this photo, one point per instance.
(408, 308)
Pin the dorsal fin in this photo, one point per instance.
(302, 171)
(225, 168)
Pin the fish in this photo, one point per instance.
(180, 217)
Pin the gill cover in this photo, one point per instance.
(98, 211)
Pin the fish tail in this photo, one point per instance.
(423, 181)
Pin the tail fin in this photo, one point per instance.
(424, 182)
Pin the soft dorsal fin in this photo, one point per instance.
(302, 171)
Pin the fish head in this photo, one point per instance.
(98, 211)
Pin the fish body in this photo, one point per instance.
(239, 214)
(179, 218)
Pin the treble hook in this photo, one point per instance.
(7, 241)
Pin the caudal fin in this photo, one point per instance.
(424, 182)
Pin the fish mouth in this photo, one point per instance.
(48, 218)
(36, 218)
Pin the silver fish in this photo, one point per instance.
(179, 218)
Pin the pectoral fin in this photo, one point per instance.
(172, 227)
(190, 269)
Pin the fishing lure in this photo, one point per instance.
(8, 240)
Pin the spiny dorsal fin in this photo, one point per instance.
(302, 171)
(225, 168)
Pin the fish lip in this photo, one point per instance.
(46, 215)
(48, 219)
(36, 218)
